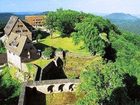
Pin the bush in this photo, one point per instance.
(48, 53)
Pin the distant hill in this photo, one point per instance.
(125, 21)
(121, 16)
(5, 16)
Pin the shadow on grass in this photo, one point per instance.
(42, 46)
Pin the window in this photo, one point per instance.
(20, 25)
(25, 30)
(18, 31)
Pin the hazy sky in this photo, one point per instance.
(92, 6)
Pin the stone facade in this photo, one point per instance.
(46, 87)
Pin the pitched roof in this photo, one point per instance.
(16, 43)
(10, 25)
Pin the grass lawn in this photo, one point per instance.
(67, 98)
(64, 43)
(41, 62)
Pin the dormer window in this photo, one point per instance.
(25, 30)
(20, 25)
(18, 31)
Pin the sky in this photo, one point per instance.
(90, 6)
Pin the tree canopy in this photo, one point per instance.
(63, 21)
(94, 31)
(127, 63)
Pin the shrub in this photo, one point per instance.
(48, 52)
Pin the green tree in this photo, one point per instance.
(10, 88)
(63, 21)
(90, 31)
(51, 19)
(97, 83)
(100, 79)
(48, 52)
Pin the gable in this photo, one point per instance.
(18, 26)
(10, 25)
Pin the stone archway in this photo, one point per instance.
(71, 87)
(60, 88)
(50, 88)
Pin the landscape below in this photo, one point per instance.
(104, 58)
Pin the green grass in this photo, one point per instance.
(41, 62)
(67, 98)
(64, 43)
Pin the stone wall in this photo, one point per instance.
(55, 86)
(47, 87)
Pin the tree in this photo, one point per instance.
(48, 52)
(10, 88)
(101, 81)
(97, 83)
(63, 21)
(51, 19)
(89, 31)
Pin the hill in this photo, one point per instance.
(125, 21)
(5, 16)
(121, 16)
